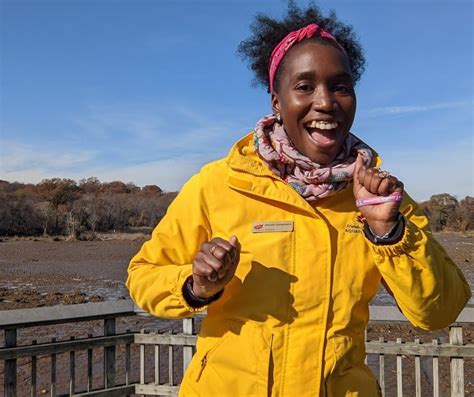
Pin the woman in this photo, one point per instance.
(287, 239)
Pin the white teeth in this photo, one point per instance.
(322, 125)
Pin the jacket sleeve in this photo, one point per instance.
(429, 288)
(157, 273)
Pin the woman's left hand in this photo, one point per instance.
(369, 183)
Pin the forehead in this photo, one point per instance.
(310, 56)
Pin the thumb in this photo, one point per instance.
(234, 241)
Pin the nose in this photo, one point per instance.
(324, 100)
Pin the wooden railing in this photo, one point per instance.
(164, 347)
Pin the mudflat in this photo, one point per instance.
(42, 272)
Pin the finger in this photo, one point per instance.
(366, 177)
(217, 251)
(396, 186)
(384, 187)
(374, 184)
(203, 269)
(222, 247)
(358, 172)
(218, 265)
(211, 260)
(221, 243)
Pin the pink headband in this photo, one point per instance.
(292, 38)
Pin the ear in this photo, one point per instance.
(275, 104)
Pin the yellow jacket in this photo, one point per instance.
(291, 322)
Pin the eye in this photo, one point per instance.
(343, 88)
(304, 87)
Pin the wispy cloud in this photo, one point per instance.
(155, 131)
(19, 156)
(394, 110)
(169, 174)
(143, 144)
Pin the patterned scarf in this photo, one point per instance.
(312, 181)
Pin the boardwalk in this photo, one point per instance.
(120, 363)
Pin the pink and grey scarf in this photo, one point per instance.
(312, 181)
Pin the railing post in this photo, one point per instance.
(10, 365)
(109, 355)
(457, 363)
(188, 329)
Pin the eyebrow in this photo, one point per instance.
(309, 75)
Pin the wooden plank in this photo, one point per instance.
(64, 346)
(188, 329)
(90, 377)
(157, 364)
(399, 372)
(33, 374)
(170, 365)
(72, 370)
(161, 390)
(392, 313)
(127, 361)
(10, 365)
(118, 391)
(365, 341)
(142, 360)
(382, 369)
(165, 339)
(65, 313)
(109, 354)
(435, 372)
(53, 371)
(443, 350)
(457, 364)
(417, 372)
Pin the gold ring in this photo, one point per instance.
(213, 248)
(383, 174)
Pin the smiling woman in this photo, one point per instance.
(287, 239)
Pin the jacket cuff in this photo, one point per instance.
(178, 292)
(392, 237)
(408, 242)
(194, 301)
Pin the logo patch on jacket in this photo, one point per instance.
(272, 226)
(354, 228)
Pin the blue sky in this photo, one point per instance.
(149, 91)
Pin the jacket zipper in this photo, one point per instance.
(203, 365)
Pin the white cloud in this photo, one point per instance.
(392, 110)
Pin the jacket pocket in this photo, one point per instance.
(237, 365)
(350, 377)
(208, 353)
(265, 370)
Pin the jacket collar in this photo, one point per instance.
(248, 173)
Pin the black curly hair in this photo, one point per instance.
(268, 32)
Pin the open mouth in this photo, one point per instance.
(322, 132)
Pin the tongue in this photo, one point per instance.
(322, 136)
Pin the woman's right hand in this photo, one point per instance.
(214, 266)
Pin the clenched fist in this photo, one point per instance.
(370, 183)
(214, 266)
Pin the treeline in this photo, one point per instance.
(82, 209)
(79, 209)
(445, 212)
